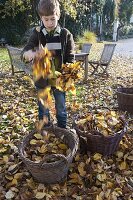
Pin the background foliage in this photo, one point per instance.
(16, 17)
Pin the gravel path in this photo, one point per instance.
(124, 48)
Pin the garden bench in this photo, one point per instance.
(16, 62)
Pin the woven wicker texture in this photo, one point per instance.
(125, 99)
(96, 142)
(53, 172)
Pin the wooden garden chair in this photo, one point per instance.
(83, 57)
(104, 61)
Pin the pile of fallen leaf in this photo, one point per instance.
(102, 122)
(41, 146)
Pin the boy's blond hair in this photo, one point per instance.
(48, 7)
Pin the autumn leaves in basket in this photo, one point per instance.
(43, 67)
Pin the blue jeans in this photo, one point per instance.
(61, 115)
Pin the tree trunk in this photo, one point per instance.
(64, 19)
(115, 31)
(101, 27)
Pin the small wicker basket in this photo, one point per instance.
(125, 99)
(53, 172)
(96, 142)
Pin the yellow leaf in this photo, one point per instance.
(63, 146)
(77, 158)
(101, 177)
(118, 190)
(87, 161)
(123, 165)
(2, 141)
(75, 178)
(31, 183)
(14, 182)
(57, 73)
(5, 158)
(114, 195)
(103, 124)
(113, 121)
(107, 193)
(81, 169)
(38, 136)
(99, 117)
(82, 121)
(9, 177)
(18, 175)
(97, 156)
(125, 156)
(101, 194)
(130, 158)
(98, 197)
(109, 185)
(2, 150)
(43, 149)
(72, 89)
(40, 195)
(119, 154)
(68, 151)
(27, 78)
(113, 113)
(32, 142)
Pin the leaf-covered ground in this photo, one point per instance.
(91, 176)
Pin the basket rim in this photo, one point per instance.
(121, 92)
(101, 135)
(70, 155)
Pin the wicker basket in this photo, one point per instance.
(96, 142)
(53, 172)
(125, 99)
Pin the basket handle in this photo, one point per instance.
(119, 86)
(45, 158)
(79, 132)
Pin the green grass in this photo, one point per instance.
(4, 60)
(4, 55)
(80, 90)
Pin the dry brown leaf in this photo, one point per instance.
(40, 195)
(81, 169)
(97, 156)
(123, 165)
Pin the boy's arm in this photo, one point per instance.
(32, 43)
(69, 54)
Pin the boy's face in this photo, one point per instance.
(50, 22)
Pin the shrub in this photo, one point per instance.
(86, 37)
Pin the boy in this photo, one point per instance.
(58, 40)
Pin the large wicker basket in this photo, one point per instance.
(125, 99)
(53, 172)
(96, 142)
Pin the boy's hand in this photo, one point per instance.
(29, 55)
